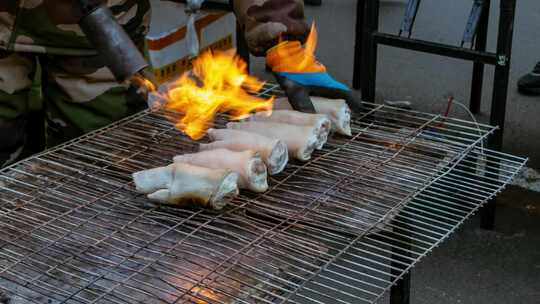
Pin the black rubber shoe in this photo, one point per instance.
(313, 2)
(529, 84)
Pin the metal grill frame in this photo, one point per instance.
(360, 262)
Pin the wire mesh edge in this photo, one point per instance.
(461, 222)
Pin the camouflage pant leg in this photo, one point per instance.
(16, 75)
(264, 21)
(82, 95)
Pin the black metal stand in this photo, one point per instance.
(500, 92)
(401, 292)
(365, 72)
(359, 44)
(368, 68)
(365, 67)
(478, 67)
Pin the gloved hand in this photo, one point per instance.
(300, 75)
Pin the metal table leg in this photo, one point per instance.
(359, 43)
(369, 60)
(500, 92)
(401, 292)
(478, 68)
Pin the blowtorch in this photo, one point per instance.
(120, 53)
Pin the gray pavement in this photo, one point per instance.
(473, 266)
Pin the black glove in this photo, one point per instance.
(300, 75)
(299, 86)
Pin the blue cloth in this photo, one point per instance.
(314, 80)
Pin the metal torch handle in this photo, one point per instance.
(115, 46)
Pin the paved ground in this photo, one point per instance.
(474, 266)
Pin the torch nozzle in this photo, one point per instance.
(145, 79)
(147, 86)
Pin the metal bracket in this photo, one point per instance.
(409, 18)
(472, 24)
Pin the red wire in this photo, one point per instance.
(449, 106)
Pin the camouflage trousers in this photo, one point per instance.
(79, 94)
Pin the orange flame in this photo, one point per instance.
(290, 56)
(209, 294)
(218, 83)
(143, 82)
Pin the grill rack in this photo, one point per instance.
(74, 230)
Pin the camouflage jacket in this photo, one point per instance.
(50, 26)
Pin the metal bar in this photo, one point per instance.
(359, 43)
(472, 23)
(500, 91)
(369, 63)
(478, 67)
(502, 69)
(400, 293)
(435, 48)
(409, 18)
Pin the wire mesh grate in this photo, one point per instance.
(341, 228)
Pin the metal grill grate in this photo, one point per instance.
(341, 228)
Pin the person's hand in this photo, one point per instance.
(300, 86)
(301, 76)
